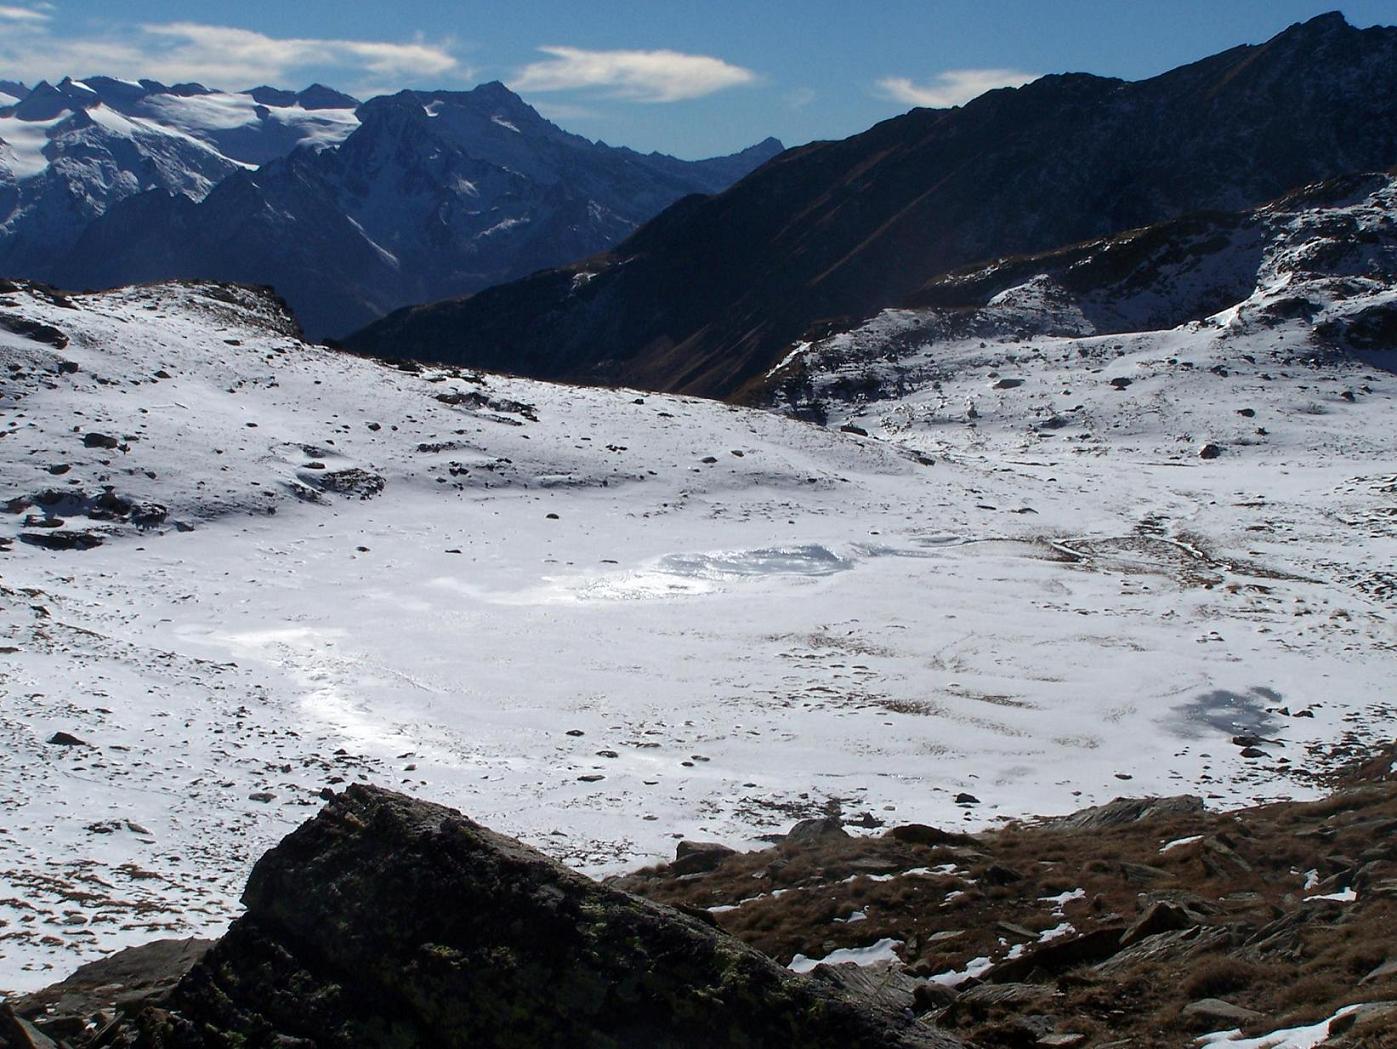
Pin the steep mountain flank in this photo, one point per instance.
(1306, 278)
(707, 296)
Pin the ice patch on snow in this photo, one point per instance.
(1227, 712)
(807, 560)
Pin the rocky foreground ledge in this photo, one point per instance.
(385, 921)
(1146, 923)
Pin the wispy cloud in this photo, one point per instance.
(641, 76)
(231, 55)
(221, 56)
(954, 87)
(22, 14)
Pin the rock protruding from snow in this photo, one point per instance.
(384, 913)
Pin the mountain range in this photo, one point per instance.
(399, 199)
(70, 151)
(710, 295)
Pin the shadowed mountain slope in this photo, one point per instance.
(708, 296)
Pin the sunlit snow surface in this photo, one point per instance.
(1306, 1037)
(225, 122)
(706, 649)
(882, 951)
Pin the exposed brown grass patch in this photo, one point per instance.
(1259, 943)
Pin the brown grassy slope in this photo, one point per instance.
(1249, 932)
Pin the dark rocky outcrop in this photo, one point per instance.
(1125, 811)
(391, 922)
(102, 995)
(45, 333)
(691, 857)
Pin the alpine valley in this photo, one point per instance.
(915, 490)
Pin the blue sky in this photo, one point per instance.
(690, 78)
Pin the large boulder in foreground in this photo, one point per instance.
(386, 921)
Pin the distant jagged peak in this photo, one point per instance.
(494, 93)
(487, 100)
(469, 119)
(1328, 22)
(271, 96)
(111, 90)
(184, 90)
(767, 147)
(321, 96)
(1314, 35)
(47, 101)
(316, 96)
(44, 102)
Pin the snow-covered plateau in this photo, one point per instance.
(241, 569)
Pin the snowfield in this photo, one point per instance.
(240, 570)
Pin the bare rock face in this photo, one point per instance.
(1125, 811)
(386, 921)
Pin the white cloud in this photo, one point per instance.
(21, 14)
(231, 56)
(954, 87)
(642, 76)
(220, 56)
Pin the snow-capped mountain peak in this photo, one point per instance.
(432, 193)
(413, 195)
(70, 150)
